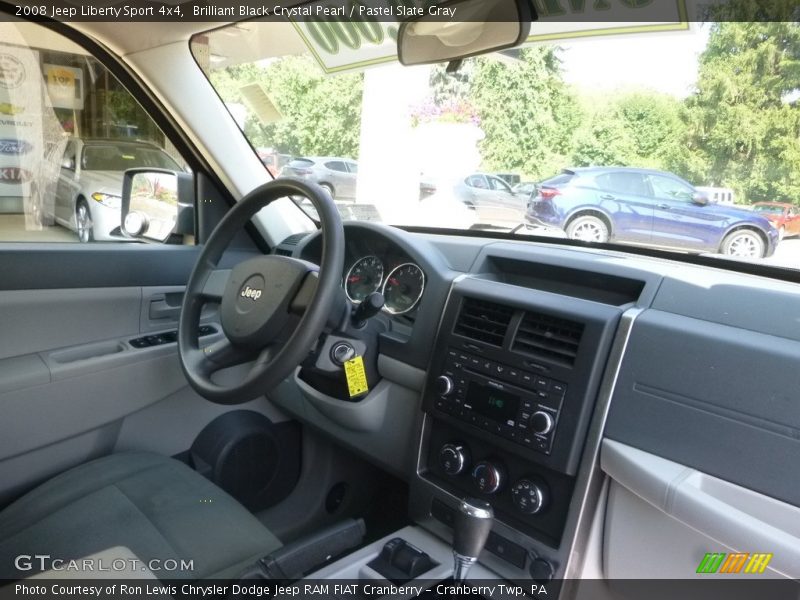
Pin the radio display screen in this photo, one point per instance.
(492, 403)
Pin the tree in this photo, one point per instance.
(527, 112)
(321, 115)
(744, 124)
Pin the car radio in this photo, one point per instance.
(520, 406)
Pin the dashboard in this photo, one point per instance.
(521, 355)
(374, 263)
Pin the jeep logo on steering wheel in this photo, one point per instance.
(252, 293)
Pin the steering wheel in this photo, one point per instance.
(260, 300)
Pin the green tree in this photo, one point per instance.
(321, 115)
(744, 118)
(528, 113)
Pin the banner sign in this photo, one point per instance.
(368, 35)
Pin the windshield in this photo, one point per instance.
(629, 139)
(119, 157)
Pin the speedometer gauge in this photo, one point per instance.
(403, 288)
(363, 278)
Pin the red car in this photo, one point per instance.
(784, 216)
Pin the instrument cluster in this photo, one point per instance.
(401, 283)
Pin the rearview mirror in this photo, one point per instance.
(474, 27)
(700, 198)
(157, 203)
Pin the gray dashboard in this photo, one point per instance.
(706, 366)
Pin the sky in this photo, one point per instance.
(665, 62)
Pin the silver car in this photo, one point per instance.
(337, 175)
(85, 196)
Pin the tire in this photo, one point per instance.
(83, 222)
(743, 243)
(588, 228)
(328, 188)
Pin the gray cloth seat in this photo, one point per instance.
(156, 506)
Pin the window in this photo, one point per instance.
(498, 184)
(632, 184)
(336, 165)
(477, 181)
(352, 167)
(70, 130)
(667, 188)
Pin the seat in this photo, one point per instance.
(156, 506)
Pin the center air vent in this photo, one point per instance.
(549, 338)
(483, 321)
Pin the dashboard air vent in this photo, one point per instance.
(483, 321)
(547, 337)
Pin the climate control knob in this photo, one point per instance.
(443, 385)
(542, 422)
(489, 477)
(454, 458)
(529, 497)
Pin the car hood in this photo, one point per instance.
(738, 213)
(105, 182)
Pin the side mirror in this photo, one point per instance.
(700, 199)
(473, 27)
(157, 203)
(68, 163)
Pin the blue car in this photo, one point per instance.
(647, 207)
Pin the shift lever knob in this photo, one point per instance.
(471, 528)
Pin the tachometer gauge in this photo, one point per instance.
(363, 278)
(403, 288)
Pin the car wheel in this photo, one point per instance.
(588, 228)
(328, 188)
(744, 243)
(83, 222)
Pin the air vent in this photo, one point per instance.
(547, 337)
(483, 321)
(286, 247)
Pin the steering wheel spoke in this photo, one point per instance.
(215, 284)
(222, 354)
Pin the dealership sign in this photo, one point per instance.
(15, 175)
(15, 147)
(368, 36)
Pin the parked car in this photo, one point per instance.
(647, 207)
(783, 215)
(273, 161)
(493, 200)
(85, 196)
(337, 175)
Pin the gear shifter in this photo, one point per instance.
(471, 528)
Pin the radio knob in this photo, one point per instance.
(528, 497)
(443, 385)
(488, 477)
(454, 458)
(542, 422)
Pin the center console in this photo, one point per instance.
(508, 400)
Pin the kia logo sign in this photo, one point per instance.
(15, 147)
(15, 175)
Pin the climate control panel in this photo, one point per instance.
(523, 493)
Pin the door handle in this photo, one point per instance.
(663, 206)
(607, 197)
(159, 309)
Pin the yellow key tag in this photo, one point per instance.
(356, 377)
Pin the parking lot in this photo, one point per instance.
(12, 229)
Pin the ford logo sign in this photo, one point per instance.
(15, 147)
(252, 293)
